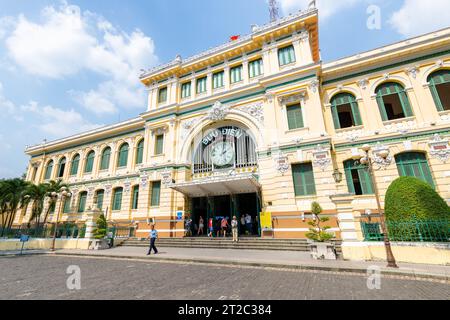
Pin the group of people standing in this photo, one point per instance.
(221, 227)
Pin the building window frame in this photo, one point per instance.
(122, 159)
(82, 200)
(396, 91)
(186, 90)
(159, 144)
(162, 95)
(236, 74)
(415, 164)
(135, 198)
(218, 80)
(201, 85)
(255, 68)
(105, 159)
(286, 55)
(436, 80)
(89, 166)
(294, 116)
(304, 180)
(75, 165)
(140, 152)
(155, 194)
(117, 199)
(340, 101)
(358, 178)
(49, 170)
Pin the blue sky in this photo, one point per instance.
(70, 66)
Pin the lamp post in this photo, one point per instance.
(64, 194)
(368, 161)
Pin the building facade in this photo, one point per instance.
(261, 124)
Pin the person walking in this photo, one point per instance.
(201, 226)
(153, 237)
(234, 229)
(243, 224)
(248, 223)
(224, 226)
(210, 227)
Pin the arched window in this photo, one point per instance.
(440, 89)
(99, 196)
(345, 111)
(75, 164)
(122, 161)
(140, 152)
(414, 164)
(117, 199)
(49, 170)
(89, 162)
(358, 178)
(393, 101)
(82, 202)
(106, 158)
(135, 200)
(61, 167)
(67, 205)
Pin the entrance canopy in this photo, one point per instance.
(219, 186)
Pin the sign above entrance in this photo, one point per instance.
(224, 132)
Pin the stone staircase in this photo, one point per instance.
(221, 243)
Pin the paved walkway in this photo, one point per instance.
(256, 258)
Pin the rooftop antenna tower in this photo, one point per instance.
(274, 10)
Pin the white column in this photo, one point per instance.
(245, 70)
(226, 77)
(266, 60)
(209, 83)
(193, 87)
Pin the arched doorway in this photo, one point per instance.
(224, 168)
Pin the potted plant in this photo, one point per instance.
(321, 248)
(100, 233)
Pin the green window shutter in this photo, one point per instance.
(201, 85)
(356, 113)
(123, 156)
(100, 197)
(82, 202)
(117, 201)
(61, 167)
(381, 107)
(295, 117)
(303, 175)
(407, 110)
(218, 80)
(156, 193)
(236, 74)
(140, 152)
(414, 164)
(89, 163)
(162, 95)
(286, 55)
(75, 164)
(435, 94)
(67, 205)
(365, 181)
(49, 170)
(185, 90)
(135, 198)
(106, 156)
(334, 112)
(159, 144)
(255, 68)
(348, 166)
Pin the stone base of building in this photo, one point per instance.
(424, 253)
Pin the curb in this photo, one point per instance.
(360, 271)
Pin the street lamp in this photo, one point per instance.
(337, 176)
(382, 159)
(64, 194)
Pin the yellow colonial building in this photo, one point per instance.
(261, 124)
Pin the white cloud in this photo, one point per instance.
(327, 8)
(6, 106)
(418, 16)
(68, 41)
(58, 122)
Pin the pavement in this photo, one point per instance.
(263, 259)
(70, 277)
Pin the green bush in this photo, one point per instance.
(317, 232)
(102, 226)
(410, 199)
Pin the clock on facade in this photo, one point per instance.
(222, 153)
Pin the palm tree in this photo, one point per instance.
(53, 188)
(12, 198)
(37, 194)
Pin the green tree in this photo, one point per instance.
(36, 195)
(317, 232)
(102, 227)
(12, 198)
(410, 199)
(53, 187)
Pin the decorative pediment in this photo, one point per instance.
(439, 148)
(321, 157)
(281, 163)
(218, 112)
(299, 97)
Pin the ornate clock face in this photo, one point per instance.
(222, 154)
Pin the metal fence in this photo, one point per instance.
(122, 232)
(409, 231)
(64, 231)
